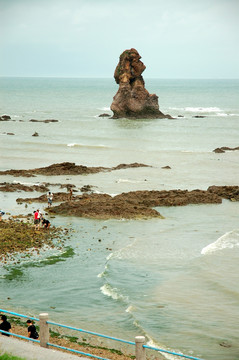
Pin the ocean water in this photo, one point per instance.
(175, 280)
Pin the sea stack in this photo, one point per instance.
(132, 100)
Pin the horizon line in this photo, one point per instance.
(106, 77)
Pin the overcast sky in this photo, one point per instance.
(84, 38)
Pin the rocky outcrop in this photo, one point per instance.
(155, 198)
(226, 192)
(68, 168)
(6, 187)
(132, 99)
(103, 206)
(58, 196)
(225, 148)
(131, 205)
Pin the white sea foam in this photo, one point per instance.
(105, 108)
(114, 293)
(198, 109)
(109, 256)
(87, 146)
(123, 253)
(151, 343)
(129, 309)
(103, 273)
(221, 114)
(203, 109)
(175, 108)
(128, 181)
(229, 240)
(26, 183)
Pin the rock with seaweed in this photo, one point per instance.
(68, 168)
(19, 236)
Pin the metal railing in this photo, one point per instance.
(139, 343)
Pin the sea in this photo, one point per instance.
(173, 280)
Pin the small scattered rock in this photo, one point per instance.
(218, 150)
(86, 188)
(225, 344)
(44, 121)
(166, 167)
(35, 134)
(104, 115)
(5, 118)
(225, 148)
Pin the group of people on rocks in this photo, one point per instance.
(38, 216)
(40, 220)
(6, 326)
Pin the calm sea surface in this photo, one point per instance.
(173, 280)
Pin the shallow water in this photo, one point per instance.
(174, 280)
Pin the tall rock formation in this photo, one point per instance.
(132, 100)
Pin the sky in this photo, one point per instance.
(177, 39)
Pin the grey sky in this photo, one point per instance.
(84, 38)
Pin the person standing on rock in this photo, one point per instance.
(50, 199)
(37, 220)
(5, 325)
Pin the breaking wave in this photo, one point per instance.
(213, 111)
(104, 108)
(229, 240)
(129, 181)
(203, 109)
(114, 293)
(87, 146)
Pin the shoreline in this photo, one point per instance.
(72, 342)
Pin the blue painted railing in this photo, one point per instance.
(170, 352)
(19, 336)
(91, 333)
(87, 332)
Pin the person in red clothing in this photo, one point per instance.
(37, 220)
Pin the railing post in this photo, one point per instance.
(44, 329)
(139, 349)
